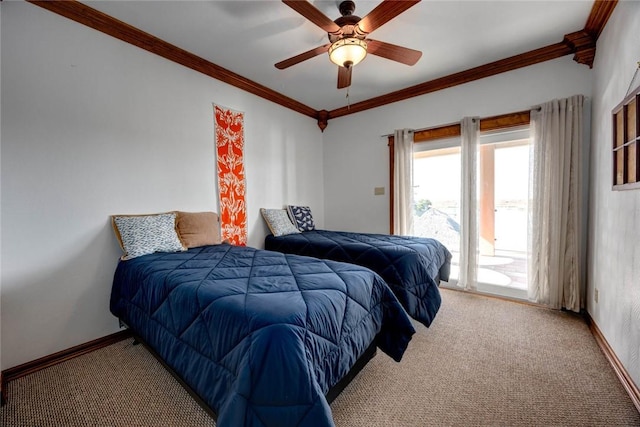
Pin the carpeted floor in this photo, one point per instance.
(483, 362)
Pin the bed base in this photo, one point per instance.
(355, 369)
(333, 392)
(137, 340)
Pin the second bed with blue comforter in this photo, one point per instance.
(260, 336)
(412, 266)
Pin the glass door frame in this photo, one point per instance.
(491, 128)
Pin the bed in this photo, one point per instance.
(262, 338)
(412, 266)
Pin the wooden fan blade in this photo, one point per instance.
(393, 52)
(344, 77)
(383, 13)
(310, 12)
(302, 57)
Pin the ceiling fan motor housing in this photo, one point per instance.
(347, 23)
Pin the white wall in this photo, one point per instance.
(357, 155)
(614, 251)
(92, 126)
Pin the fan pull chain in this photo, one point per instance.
(348, 100)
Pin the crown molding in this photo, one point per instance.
(600, 13)
(106, 24)
(582, 44)
(497, 67)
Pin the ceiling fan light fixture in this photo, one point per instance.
(348, 52)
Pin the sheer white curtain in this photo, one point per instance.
(469, 235)
(554, 226)
(403, 182)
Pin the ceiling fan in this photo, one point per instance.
(348, 42)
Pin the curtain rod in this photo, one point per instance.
(536, 108)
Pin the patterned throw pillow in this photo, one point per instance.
(145, 234)
(278, 222)
(301, 217)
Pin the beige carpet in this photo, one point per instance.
(484, 362)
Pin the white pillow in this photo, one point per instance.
(145, 234)
(278, 222)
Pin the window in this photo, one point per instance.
(436, 179)
(626, 143)
(503, 205)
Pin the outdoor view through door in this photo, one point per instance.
(503, 205)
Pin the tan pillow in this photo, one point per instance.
(198, 228)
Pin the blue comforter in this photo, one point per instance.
(260, 336)
(412, 266)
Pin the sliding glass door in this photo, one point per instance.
(503, 203)
(437, 196)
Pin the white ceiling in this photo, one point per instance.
(249, 37)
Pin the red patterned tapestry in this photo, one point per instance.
(231, 179)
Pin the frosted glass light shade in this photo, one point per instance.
(348, 52)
